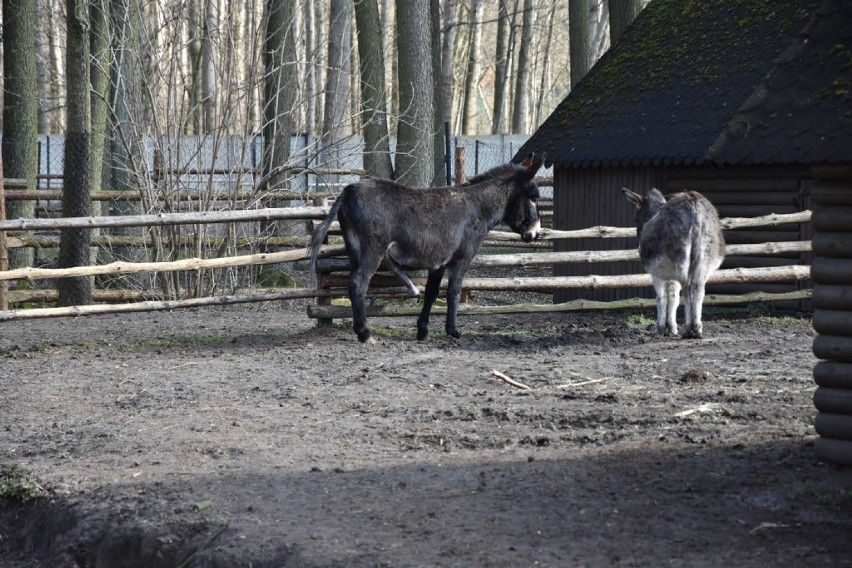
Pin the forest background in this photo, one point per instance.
(138, 87)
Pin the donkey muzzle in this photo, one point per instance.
(532, 232)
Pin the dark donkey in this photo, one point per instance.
(434, 228)
(680, 244)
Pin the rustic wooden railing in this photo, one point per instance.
(332, 269)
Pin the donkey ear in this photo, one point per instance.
(656, 196)
(633, 197)
(533, 163)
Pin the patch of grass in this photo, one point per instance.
(840, 500)
(270, 277)
(640, 319)
(388, 332)
(184, 341)
(18, 485)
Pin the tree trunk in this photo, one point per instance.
(377, 158)
(20, 108)
(126, 171)
(194, 46)
(57, 69)
(578, 25)
(521, 112)
(279, 92)
(439, 167)
(544, 87)
(74, 243)
(209, 41)
(337, 83)
(471, 79)
(501, 66)
(621, 14)
(100, 49)
(415, 148)
(447, 59)
(311, 71)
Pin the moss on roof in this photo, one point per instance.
(667, 89)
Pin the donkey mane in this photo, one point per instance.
(497, 172)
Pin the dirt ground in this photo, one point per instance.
(245, 436)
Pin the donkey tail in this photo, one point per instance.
(318, 237)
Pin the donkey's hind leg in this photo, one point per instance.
(667, 300)
(693, 301)
(433, 286)
(672, 300)
(359, 281)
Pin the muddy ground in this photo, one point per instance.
(244, 436)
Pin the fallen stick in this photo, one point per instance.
(509, 380)
(581, 383)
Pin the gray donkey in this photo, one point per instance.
(680, 244)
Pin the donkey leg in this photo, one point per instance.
(672, 300)
(359, 281)
(400, 273)
(693, 300)
(660, 288)
(454, 286)
(433, 286)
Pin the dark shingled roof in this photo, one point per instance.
(721, 81)
(802, 111)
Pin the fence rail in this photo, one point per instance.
(334, 284)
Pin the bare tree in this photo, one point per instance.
(377, 158)
(337, 81)
(279, 59)
(581, 60)
(520, 113)
(20, 108)
(415, 148)
(76, 199)
(450, 26)
(544, 86)
(621, 14)
(437, 93)
(310, 64)
(471, 79)
(209, 83)
(504, 42)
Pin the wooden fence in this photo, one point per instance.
(332, 269)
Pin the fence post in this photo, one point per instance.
(448, 153)
(4, 252)
(461, 171)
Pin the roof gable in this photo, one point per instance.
(669, 87)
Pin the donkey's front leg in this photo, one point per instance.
(454, 286)
(433, 286)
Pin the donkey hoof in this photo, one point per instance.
(692, 333)
(454, 333)
(422, 334)
(364, 337)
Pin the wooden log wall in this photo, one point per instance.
(832, 300)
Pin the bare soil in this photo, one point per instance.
(245, 436)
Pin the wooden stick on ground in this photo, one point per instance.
(509, 380)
